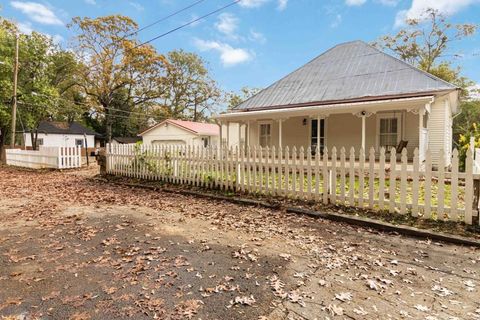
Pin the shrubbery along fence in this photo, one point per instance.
(383, 181)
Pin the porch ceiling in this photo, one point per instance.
(325, 110)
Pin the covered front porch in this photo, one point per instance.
(377, 124)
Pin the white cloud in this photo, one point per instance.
(474, 92)
(418, 7)
(57, 39)
(257, 37)
(389, 3)
(227, 24)
(337, 21)
(252, 3)
(282, 4)
(136, 5)
(25, 27)
(37, 12)
(355, 2)
(228, 55)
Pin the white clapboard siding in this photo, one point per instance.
(354, 179)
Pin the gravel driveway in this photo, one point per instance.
(73, 248)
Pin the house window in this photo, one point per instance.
(314, 135)
(79, 143)
(265, 134)
(388, 132)
(206, 142)
(39, 141)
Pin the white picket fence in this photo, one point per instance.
(45, 157)
(374, 181)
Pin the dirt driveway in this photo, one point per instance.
(71, 248)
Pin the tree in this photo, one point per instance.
(466, 120)
(426, 42)
(65, 68)
(234, 99)
(190, 92)
(114, 61)
(7, 47)
(38, 96)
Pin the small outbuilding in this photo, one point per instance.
(63, 134)
(126, 140)
(180, 132)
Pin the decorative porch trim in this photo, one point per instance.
(354, 107)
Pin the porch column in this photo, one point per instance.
(421, 138)
(364, 115)
(221, 133)
(319, 119)
(363, 130)
(239, 135)
(280, 143)
(247, 134)
(228, 134)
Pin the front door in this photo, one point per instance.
(315, 135)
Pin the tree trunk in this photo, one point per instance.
(195, 115)
(3, 131)
(34, 141)
(108, 123)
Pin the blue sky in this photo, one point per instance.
(255, 42)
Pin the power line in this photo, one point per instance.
(86, 105)
(166, 17)
(146, 27)
(188, 23)
(170, 31)
(135, 116)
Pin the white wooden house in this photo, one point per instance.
(63, 134)
(353, 95)
(180, 132)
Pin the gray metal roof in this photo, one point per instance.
(348, 71)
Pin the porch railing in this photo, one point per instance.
(335, 177)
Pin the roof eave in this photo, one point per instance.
(353, 100)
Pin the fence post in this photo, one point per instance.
(59, 158)
(333, 176)
(403, 182)
(393, 180)
(427, 210)
(326, 180)
(469, 203)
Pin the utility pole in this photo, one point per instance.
(14, 104)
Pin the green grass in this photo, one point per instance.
(165, 169)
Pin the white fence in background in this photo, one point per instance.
(377, 181)
(45, 157)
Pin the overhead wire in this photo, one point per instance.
(146, 27)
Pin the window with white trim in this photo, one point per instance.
(388, 132)
(79, 143)
(265, 134)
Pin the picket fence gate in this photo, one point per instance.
(374, 181)
(45, 157)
